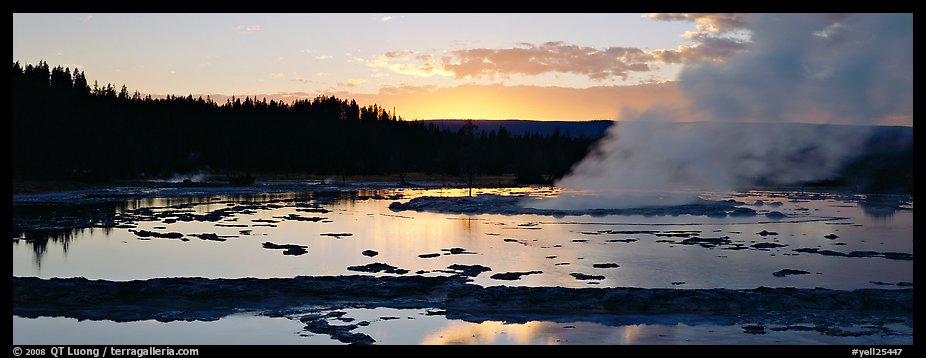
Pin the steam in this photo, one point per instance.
(197, 177)
(824, 69)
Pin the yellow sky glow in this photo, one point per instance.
(526, 102)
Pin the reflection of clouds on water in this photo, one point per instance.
(582, 332)
(487, 332)
(632, 333)
(547, 332)
(648, 254)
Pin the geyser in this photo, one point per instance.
(845, 71)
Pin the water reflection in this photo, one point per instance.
(37, 225)
(40, 246)
(488, 332)
(881, 208)
(235, 329)
(416, 326)
(595, 333)
(648, 250)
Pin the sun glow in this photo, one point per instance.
(488, 332)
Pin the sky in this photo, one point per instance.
(426, 66)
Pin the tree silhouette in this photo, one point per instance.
(66, 129)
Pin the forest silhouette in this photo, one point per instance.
(64, 127)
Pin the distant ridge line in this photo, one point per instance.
(575, 129)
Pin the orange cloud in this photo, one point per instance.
(595, 63)
(352, 83)
(706, 22)
(552, 57)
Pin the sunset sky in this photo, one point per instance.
(486, 66)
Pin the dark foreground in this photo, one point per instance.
(187, 299)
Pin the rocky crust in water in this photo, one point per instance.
(146, 233)
(469, 270)
(788, 272)
(582, 276)
(887, 255)
(510, 205)
(606, 265)
(288, 249)
(169, 299)
(377, 267)
(316, 323)
(511, 276)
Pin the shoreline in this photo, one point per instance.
(194, 298)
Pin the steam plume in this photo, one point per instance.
(824, 69)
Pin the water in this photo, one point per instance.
(244, 328)
(118, 254)
(557, 246)
(412, 326)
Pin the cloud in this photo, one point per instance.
(529, 59)
(245, 30)
(404, 54)
(719, 36)
(712, 49)
(405, 89)
(87, 18)
(845, 69)
(385, 18)
(804, 68)
(553, 57)
(714, 23)
(278, 75)
(323, 57)
(351, 83)
(407, 62)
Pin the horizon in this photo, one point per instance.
(288, 100)
(426, 66)
(394, 60)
